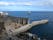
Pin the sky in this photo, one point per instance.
(26, 5)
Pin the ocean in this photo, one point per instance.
(43, 31)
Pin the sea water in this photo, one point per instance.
(43, 31)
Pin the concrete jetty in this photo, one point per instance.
(28, 26)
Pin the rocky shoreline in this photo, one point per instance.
(21, 36)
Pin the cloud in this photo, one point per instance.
(28, 3)
(7, 3)
(43, 3)
(14, 3)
